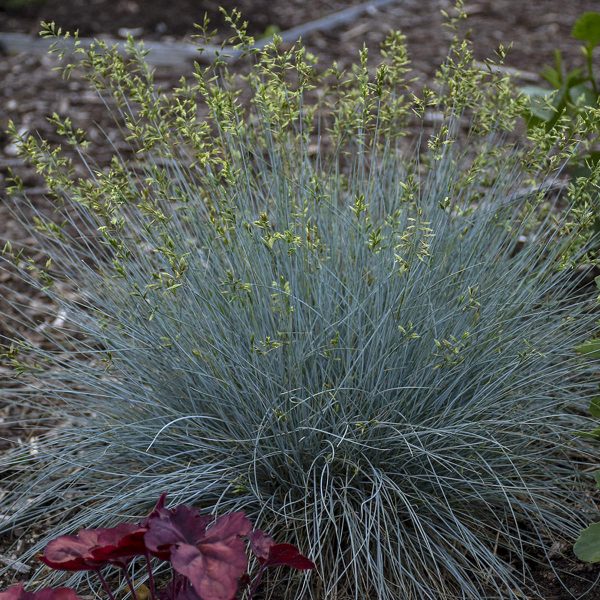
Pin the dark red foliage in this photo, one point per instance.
(180, 591)
(91, 549)
(17, 592)
(270, 554)
(208, 555)
(212, 558)
(260, 544)
(158, 508)
(73, 552)
(120, 543)
(187, 592)
(288, 556)
(168, 527)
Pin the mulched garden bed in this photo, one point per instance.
(30, 91)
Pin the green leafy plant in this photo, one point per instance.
(573, 91)
(312, 307)
(587, 546)
(590, 350)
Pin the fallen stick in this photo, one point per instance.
(328, 22)
(14, 564)
(160, 54)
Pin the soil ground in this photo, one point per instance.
(30, 91)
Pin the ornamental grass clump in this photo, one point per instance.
(310, 305)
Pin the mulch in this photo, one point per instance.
(30, 91)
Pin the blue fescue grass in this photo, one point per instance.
(369, 362)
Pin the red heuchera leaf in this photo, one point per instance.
(182, 590)
(73, 552)
(91, 549)
(157, 510)
(187, 592)
(260, 544)
(212, 559)
(121, 543)
(289, 556)
(17, 592)
(213, 571)
(231, 526)
(62, 593)
(271, 554)
(167, 527)
(217, 560)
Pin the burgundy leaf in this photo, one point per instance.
(91, 549)
(271, 554)
(17, 592)
(167, 527)
(159, 508)
(260, 544)
(289, 556)
(228, 526)
(187, 593)
(62, 593)
(213, 569)
(73, 552)
(121, 543)
(216, 559)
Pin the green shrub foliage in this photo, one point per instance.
(574, 91)
(291, 305)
